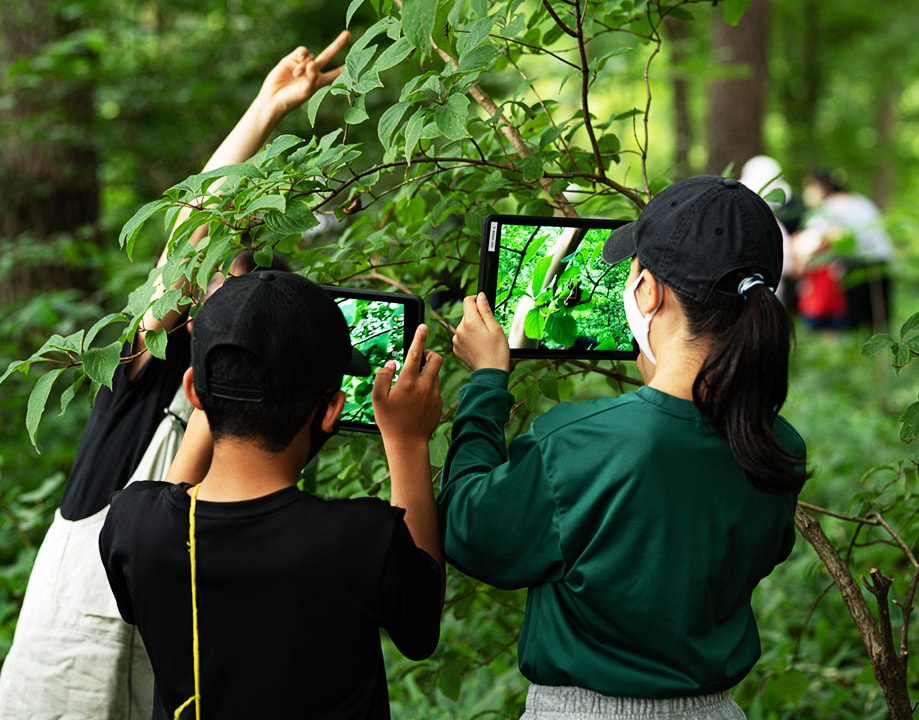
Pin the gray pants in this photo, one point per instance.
(574, 703)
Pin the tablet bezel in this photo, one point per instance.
(488, 278)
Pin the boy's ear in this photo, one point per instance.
(188, 384)
(333, 411)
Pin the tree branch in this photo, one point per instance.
(886, 663)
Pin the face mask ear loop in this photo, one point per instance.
(196, 655)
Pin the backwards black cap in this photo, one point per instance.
(696, 232)
(292, 327)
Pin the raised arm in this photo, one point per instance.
(193, 457)
(287, 86)
(407, 414)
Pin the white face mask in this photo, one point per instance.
(639, 324)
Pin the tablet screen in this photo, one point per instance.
(382, 326)
(551, 290)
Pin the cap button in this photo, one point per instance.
(265, 275)
(730, 182)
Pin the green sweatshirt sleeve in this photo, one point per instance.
(497, 508)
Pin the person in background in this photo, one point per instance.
(763, 175)
(72, 654)
(850, 227)
(256, 599)
(641, 524)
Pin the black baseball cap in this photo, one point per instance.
(694, 233)
(289, 324)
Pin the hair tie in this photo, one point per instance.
(748, 282)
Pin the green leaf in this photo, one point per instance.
(393, 55)
(562, 328)
(877, 343)
(418, 23)
(451, 117)
(155, 340)
(910, 326)
(281, 145)
(109, 319)
(359, 58)
(531, 168)
(264, 256)
(70, 392)
(531, 397)
(909, 423)
(534, 324)
(73, 343)
(538, 278)
(791, 686)
(734, 10)
(100, 363)
(450, 679)
(413, 129)
(38, 398)
(478, 31)
(901, 354)
(20, 365)
(291, 223)
(268, 202)
(357, 113)
(312, 107)
(548, 386)
(390, 121)
(353, 7)
(494, 181)
(479, 58)
(131, 229)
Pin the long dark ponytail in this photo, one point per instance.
(743, 382)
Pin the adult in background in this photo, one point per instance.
(72, 654)
(850, 226)
(764, 176)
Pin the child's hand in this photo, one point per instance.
(298, 75)
(480, 341)
(410, 409)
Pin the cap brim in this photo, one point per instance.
(358, 365)
(620, 244)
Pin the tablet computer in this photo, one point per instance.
(382, 326)
(550, 289)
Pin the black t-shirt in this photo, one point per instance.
(292, 592)
(119, 429)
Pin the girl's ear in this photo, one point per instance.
(333, 411)
(188, 384)
(650, 293)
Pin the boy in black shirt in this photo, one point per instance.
(255, 599)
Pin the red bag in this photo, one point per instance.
(820, 294)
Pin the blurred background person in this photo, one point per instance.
(850, 227)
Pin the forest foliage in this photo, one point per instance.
(446, 112)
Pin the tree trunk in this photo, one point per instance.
(737, 98)
(49, 191)
(679, 35)
(888, 106)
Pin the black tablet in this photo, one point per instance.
(550, 289)
(382, 326)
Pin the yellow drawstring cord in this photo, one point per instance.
(196, 657)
